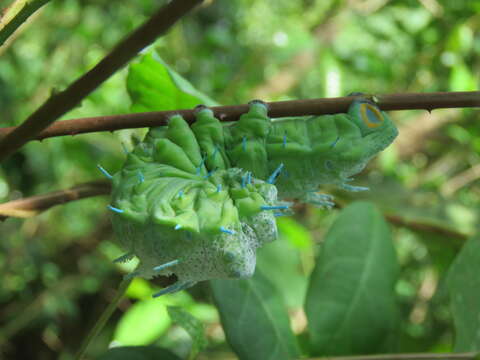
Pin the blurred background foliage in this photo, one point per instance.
(56, 268)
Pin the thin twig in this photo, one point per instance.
(102, 321)
(460, 180)
(431, 228)
(416, 356)
(455, 238)
(16, 14)
(62, 102)
(31, 206)
(276, 109)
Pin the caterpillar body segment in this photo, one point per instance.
(198, 201)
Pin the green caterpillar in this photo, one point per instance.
(198, 201)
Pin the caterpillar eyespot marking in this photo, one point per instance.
(210, 193)
(371, 115)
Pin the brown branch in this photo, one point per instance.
(431, 228)
(15, 15)
(455, 238)
(407, 101)
(417, 356)
(460, 180)
(31, 206)
(62, 102)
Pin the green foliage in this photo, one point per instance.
(56, 274)
(254, 318)
(192, 325)
(464, 290)
(287, 261)
(143, 323)
(154, 86)
(138, 353)
(350, 304)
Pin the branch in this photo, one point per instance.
(431, 228)
(103, 319)
(31, 206)
(417, 356)
(16, 14)
(428, 101)
(62, 102)
(460, 180)
(455, 238)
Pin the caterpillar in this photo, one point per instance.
(198, 201)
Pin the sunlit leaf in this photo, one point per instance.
(143, 322)
(139, 289)
(294, 232)
(153, 86)
(462, 79)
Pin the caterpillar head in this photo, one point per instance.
(375, 125)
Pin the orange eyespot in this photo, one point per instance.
(371, 115)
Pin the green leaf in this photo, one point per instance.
(289, 278)
(285, 256)
(138, 353)
(295, 233)
(463, 283)
(350, 303)
(143, 322)
(153, 86)
(254, 318)
(193, 327)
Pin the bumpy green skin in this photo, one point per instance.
(182, 185)
(181, 169)
(325, 149)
